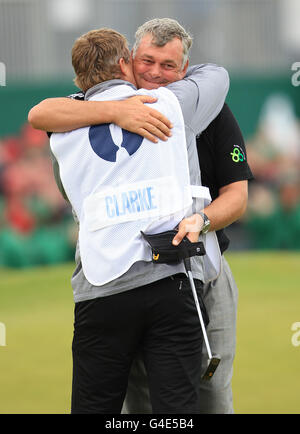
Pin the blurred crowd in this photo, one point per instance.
(36, 223)
(273, 217)
(37, 226)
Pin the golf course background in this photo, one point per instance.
(37, 310)
(258, 43)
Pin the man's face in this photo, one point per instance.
(158, 66)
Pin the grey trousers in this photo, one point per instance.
(220, 298)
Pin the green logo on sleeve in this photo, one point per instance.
(237, 154)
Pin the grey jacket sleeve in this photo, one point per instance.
(201, 95)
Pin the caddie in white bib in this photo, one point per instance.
(120, 184)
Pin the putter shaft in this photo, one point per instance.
(199, 313)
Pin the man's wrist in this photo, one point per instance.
(109, 112)
(206, 223)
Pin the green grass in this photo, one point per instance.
(36, 306)
(266, 370)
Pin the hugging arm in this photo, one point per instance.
(201, 94)
(66, 114)
(203, 90)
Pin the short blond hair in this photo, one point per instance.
(96, 55)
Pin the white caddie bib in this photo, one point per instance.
(120, 184)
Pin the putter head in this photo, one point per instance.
(212, 366)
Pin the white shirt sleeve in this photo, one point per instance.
(201, 95)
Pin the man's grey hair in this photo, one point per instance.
(163, 31)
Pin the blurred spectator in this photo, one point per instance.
(273, 218)
(276, 146)
(36, 225)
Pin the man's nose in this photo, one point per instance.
(155, 71)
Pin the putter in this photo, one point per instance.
(164, 252)
(213, 361)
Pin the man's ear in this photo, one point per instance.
(123, 65)
(126, 71)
